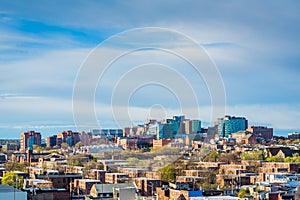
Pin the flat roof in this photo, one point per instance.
(88, 180)
(38, 180)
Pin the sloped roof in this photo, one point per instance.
(274, 150)
(289, 152)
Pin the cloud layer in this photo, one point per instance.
(42, 45)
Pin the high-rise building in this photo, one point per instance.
(162, 130)
(180, 118)
(262, 131)
(187, 126)
(178, 122)
(196, 126)
(28, 139)
(231, 124)
(69, 137)
(166, 131)
(51, 141)
(175, 125)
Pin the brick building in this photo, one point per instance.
(115, 178)
(261, 131)
(147, 186)
(28, 139)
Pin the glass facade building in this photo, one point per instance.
(231, 124)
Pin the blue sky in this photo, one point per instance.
(254, 44)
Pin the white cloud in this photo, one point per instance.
(260, 68)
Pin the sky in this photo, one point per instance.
(254, 46)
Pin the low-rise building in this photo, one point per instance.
(123, 191)
(261, 131)
(83, 185)
(147, 186)
(115, 178)
(132, 171)
(60, 180)
(97, 175)
(38, 183)
(128, 143)
(244, 137)
(160, 143)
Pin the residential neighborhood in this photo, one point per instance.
(173, 158)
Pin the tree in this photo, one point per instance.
(209, 179)
(228, 157)
(275, 159)
(12, 179)
(132, 161)
(53, 151)
(253, 155)
(78, 145)
(294, 159)
(64, 145)
(242, 193)
(13, 165)
(37, 148)
(168, 173)
(76, 160)
(212, 156)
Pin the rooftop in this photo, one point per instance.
(7, 188)
(108, 188)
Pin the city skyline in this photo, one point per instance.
(253, 44)
(178, 124)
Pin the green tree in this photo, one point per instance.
(78, 145)
(228, 157)
(253, 155)
(14, 165)
(212, 156)
(64, 145)
(242, 193)
(53, 151)
(37, 148)
(275, 159)
(294, 159)
(12, 179)
(168, 173)
(76, 160)
(132, 161)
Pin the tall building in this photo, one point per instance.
(187, 126)
(175, 125)
(28, 139)
(262, 131)
(51, 141)
(69, 137)
(191, 126)
(162, 130)
(196, 126)
(231, 124)
(180, 118)
(178, 124)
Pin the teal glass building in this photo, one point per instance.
(231, 124)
